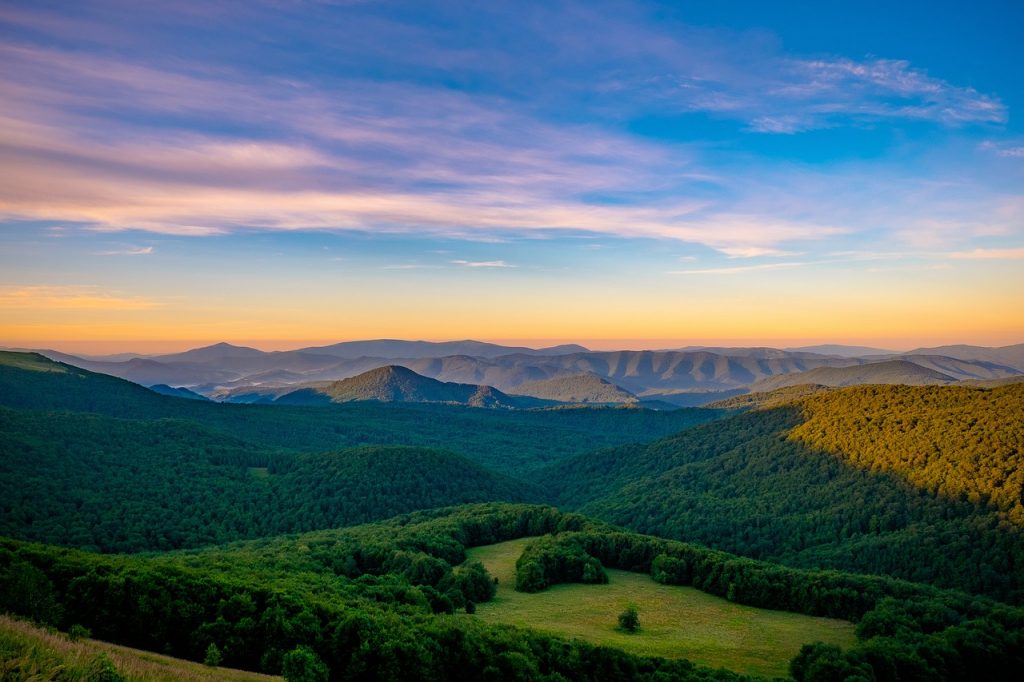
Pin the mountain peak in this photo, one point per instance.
(207, 353)
(395, 383)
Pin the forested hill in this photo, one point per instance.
(120, 485)
(956, 443)
(394, 383)
(505, 441)
(92, 461)
(918, 482)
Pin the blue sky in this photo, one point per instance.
(285, 171)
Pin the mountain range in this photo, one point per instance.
(689, 376)
(897, 508)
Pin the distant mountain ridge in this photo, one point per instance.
(887, 372)
(396, 348)
(691, 376)
(1011, 356)
(843, 351)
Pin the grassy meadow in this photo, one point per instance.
(28, 652)
(675, 622)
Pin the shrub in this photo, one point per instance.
(101, 669)
(77, 632)
(629, 620)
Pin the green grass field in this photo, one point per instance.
(675, 622)
(28, 652)
(29, 362)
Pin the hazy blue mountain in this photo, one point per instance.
(405, 350)
(147, 372)
(1012, 356)
(962, 369)
(885, 372)
(682, 377)
(214, 353)
(842, 350)
(181, 392)
(759, 352)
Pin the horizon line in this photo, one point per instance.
(171, 346)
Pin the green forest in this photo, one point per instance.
(379, 602)
(768, 483)
(337, 534)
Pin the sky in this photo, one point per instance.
(622, 175)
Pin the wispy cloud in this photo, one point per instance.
(410, 266)
(1011, 150)
(879, 88)
(739, 269)
(754, 252)
(68, 298)
(128, 251)
(990, 254)
(482, 264)
(338, 152)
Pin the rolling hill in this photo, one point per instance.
(886, 372)
(577, 388)
(111, 484)
(394, 383)
(923, 483)
(31, 652)
(1010, 356)
(94, 461)
(181, 392)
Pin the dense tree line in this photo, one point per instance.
(747, 484)
(548, 561)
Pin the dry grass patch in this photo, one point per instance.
(28, 652)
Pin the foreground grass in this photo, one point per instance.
(675, 622)
(28, 652)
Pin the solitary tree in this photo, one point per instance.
(213, 656)
(629, 620)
